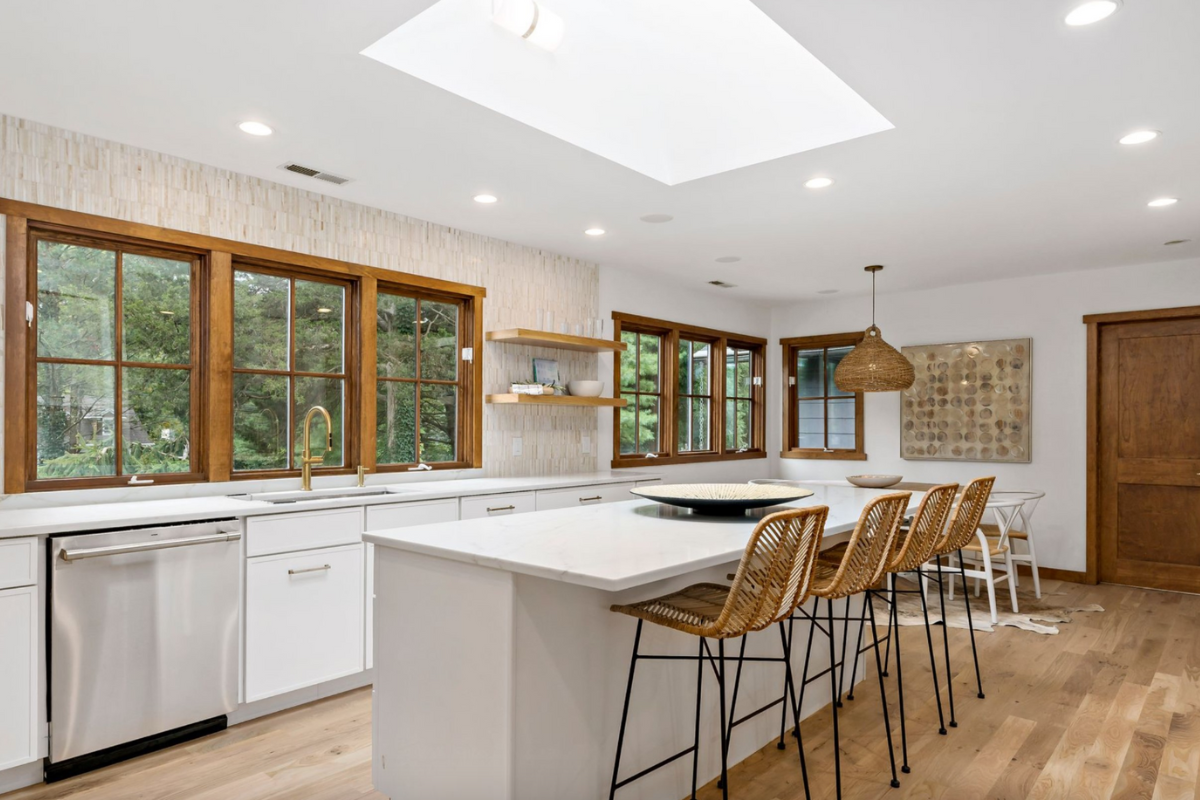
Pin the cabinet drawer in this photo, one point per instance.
(583, 496)
(307, 530)
(404, 515)
(304, 619)
(497, 505)
(18, 562)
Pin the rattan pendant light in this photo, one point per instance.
(874, 365)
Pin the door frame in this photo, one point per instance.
(1094, 323)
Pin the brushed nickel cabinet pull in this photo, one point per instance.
(310, 569)
(501, 508)
(589, 499)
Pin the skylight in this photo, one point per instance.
(674, 89)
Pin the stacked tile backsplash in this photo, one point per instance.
(55, 167)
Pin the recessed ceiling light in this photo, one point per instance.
(1139, 137)
(819, 183)
(529, 20)
(595, 231)
(255, 128)
(1163, 201)
(729, 259)
(1092, 11)
(485, 198)
(828, 291)
(657, 218)
(1177, 241)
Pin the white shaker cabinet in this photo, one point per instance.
(548, 499)
(19, 720)
(496, 505)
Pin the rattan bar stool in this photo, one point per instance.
(773, 578)
(862, 564)
(915, 545)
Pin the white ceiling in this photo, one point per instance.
(1003, 160)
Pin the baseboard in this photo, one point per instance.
(1050, 573)
(282, 702)
(19, 777)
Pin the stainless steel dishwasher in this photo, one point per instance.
(143, 645)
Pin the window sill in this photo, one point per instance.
(819, 455)
(642, 461)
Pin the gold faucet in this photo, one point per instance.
(307, 459)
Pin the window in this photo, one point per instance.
(677, 408)
(419, 388)
(114, 383)
(820, 420)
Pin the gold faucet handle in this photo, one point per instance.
(362, 475)
(313, 459)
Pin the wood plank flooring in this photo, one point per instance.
(1108, 708)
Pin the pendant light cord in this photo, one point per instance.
(872, 299)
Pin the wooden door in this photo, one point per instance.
(1148, 448)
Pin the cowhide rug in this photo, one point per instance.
(1039, 616)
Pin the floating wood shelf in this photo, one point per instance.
(560, 340)
(557, 400)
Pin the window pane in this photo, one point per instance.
(156, 310)
(76, 299)
(647, 425)
(75, 421)
(156, 421)
(395, 422)
(326, 392)
(396, 339)
(810, 424)
(439, 342)
(809, 380)
(319, 326)
(841, 424)
(835, 356)
(629, 437)
(738, 366)
(745, 417)
(629, 362)
(260, 421)
(648, 368)
(439, 425)
(693, 367)
(737, 424)
(260, 321)
(692, 423)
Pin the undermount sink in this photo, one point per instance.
(316, 494)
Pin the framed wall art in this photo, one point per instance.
(971, 401)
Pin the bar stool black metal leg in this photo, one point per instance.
(812, 629)
(788, 686)
(862, 622)
(842, 663)
(724, 784)
(887, 719)
(937, 687)
(894, 627)
(946, 646)
(833, 687)
(699, 696)
(737, 682)
(970, 625)
(887, 653)
(637, 638)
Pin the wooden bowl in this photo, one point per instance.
(874, 481)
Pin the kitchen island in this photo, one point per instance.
(500, 670)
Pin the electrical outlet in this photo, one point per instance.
(516, 446)
(586, 445)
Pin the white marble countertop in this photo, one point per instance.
(614, 546)
(47, 520)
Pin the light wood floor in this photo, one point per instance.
(1108, 708)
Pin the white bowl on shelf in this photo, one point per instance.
(585, 388)
(874, 481)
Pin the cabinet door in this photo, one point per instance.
(18, 676)
(496, 505)
(369, 611)
(304, 619)
(548, 499)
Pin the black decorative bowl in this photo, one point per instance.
(722, 499)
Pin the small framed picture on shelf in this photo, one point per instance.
(545, 371)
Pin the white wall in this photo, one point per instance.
(1047, 308)
(631, 293)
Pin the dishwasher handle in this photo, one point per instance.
(139, 547)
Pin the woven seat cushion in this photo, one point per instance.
(690, 610)
(994, 547)
(993, 531)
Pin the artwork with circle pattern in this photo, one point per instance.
(971, 401)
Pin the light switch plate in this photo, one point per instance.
(516, 445)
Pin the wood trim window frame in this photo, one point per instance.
(213, 338)
(671, 333)
(790, 347)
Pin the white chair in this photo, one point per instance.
(981, 554)
(1021, 533)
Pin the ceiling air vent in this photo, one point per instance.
(722, 285)
(309, 172)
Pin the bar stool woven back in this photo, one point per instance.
(867, 554)
(927, 530)
(774, 576)
(967, 516)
